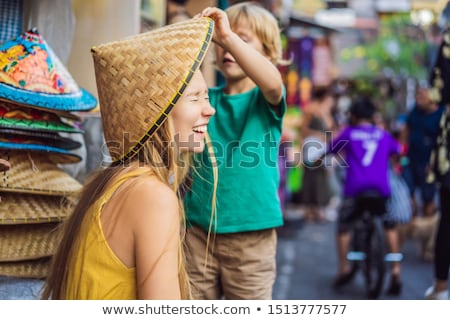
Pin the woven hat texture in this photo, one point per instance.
(27, 242)
(22, 208)
(37, 269)
(31, 74)
(34, 173)
(140, 79)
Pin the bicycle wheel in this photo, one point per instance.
(374, 265)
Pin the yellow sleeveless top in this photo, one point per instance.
(96, 273)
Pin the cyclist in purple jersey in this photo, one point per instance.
(366, 149)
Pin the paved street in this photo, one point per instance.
(306, 264)
(306, 267)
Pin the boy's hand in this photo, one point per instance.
(222, 29)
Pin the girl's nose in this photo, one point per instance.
(208, 110)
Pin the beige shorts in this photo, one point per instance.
(239, 266)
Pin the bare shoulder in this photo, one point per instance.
(149, 198)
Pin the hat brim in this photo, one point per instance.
(35, 269)
(34, 173)
(31, 125)
(27, 242)
(41, 138)
(15, 115)
(33, 75)
(22, 208)
(25, 107)
(79, 101)
(55, 155)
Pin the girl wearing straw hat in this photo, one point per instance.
(233, 253)
(122, 240)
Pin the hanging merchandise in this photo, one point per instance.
(31, 74)
(37, 98)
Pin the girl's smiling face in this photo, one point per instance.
(190, 116)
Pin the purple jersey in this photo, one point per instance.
(366, 150)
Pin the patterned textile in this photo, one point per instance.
(399, 204)
(440, 79)
(10, 19)
(31, 74)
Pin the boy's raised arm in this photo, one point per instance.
(258, 67)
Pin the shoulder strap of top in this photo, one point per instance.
(118, 182)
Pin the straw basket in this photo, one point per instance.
(33, 173)
(26, 269)
(27, 242)
(140, 79)
(20, 208)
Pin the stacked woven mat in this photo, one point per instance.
(37, 100)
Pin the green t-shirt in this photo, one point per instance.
(245, 134)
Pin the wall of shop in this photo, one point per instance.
(99, 21)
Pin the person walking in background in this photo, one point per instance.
(421, 129)
(231, 248)
(317, 120)
(440, 165)
(419, 135)
(440, 162)
(123, 239)
(367, 150)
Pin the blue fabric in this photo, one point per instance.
(80, 101)
(10, 19)
(55, 154)
(62, 93)
(423, 130)
(415, 177)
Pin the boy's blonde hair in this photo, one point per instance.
(262, 23)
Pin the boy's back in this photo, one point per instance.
(367, 149)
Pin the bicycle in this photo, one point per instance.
(368, 249)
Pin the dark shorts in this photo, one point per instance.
(351, 208)
(415, 177)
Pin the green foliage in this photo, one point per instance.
(399, 49)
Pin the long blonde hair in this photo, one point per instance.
(158, 150)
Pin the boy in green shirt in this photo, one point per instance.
(231, 253)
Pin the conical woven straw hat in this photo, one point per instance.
(31, 74)
(26, 269)
(34, 173)
(27, 242)
(22, 208)
(140, 79)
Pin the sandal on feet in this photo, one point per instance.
(430, 294)
(395, 286)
